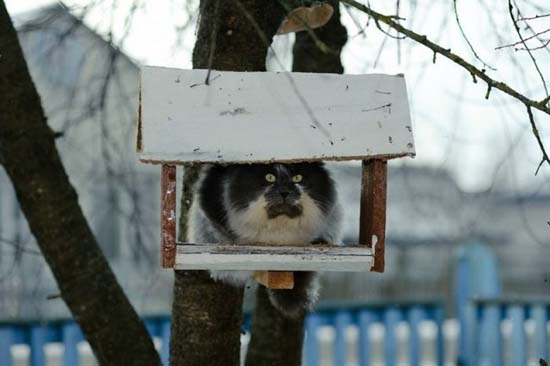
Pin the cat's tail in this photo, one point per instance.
(295, 302)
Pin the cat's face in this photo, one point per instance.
(269, 203)
(280, 189)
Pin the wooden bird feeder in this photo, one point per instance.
(266, 117)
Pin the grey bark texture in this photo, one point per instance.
(276, 340)
(207, 315)
(310, 58)
(50, 204)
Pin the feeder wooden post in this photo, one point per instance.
(168, 215)
(372, 220)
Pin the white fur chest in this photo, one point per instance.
(252, 224)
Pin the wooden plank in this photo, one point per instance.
(372, 220)
(273, 258)
(278, 280)
(168, 216)
(271, 116)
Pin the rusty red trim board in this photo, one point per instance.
(168, 216)
(372, 220)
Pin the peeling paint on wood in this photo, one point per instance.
(168, 216)
(372, 221)
(250, 159)
(275, 258)
(279, 117)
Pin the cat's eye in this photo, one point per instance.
(297, 178)
(270, 178)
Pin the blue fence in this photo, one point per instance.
(37, 335)
(364, 317)
(481, 310)
(487, 345)
(339, 317)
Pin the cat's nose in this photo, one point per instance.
(284, 194)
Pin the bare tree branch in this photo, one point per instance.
(457, 18)
(516, 27)
(524, 40)
(16, 245)
(437, 49)
(521, 19)
(474, 71)
(539, 140)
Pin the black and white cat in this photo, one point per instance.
(268, 204)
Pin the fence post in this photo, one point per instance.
(38, 339)
(366, 319)
(538, 314)
(416, 314)
(476, 276)
(313, 322)
(165, 335)
(490, 338)
(6, 341)
(516, 314)
(71, 336)
(440, 340)
(342, 320)
(392, 316)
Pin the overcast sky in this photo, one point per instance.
(479, 141)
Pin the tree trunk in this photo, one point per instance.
(310, 58)
(207, 315)
(276, 340)
(50, 204)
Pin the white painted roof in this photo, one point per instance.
(267, 116)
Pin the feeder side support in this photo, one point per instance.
(372, 220)
(168, 215)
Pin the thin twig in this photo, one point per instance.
(387, 33)
(539, 140)
(542, 46)
(325, 48)
(525, 39)
(422, 39)
(212, 41)
(485, 64)
(18, 247)
(398, 40)
(523, 19)
(516, 27)
(474, 71)
(360, 29)
(304, 102)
